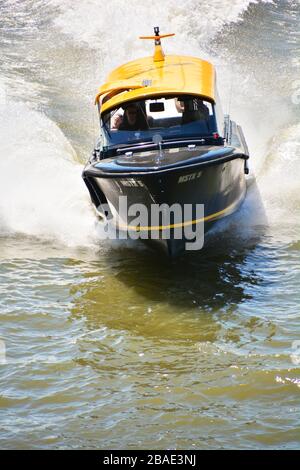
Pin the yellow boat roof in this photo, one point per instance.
(145, 78)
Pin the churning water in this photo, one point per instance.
(106, 345)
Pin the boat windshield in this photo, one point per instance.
(169, 117)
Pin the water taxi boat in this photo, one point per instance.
(165, 145)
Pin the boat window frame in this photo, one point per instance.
(219, 127)
(220, 117)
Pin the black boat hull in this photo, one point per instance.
(215, 180)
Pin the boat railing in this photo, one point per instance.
(171, 143)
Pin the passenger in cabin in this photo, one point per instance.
(116, 121)
(134, 119)
(192, 110)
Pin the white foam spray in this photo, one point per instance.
(42, 193)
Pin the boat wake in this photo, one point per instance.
(40, 181)
(279, 182)
(41, 191)
(194, 21)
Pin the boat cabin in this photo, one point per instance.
(160, 98)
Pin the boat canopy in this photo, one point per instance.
(145, 78)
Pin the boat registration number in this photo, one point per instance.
(192, 176)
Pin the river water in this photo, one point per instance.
(106, 344)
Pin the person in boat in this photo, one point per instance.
(116, 121)
(192, 110)
(134, 119)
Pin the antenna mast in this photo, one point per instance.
(159, 55)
